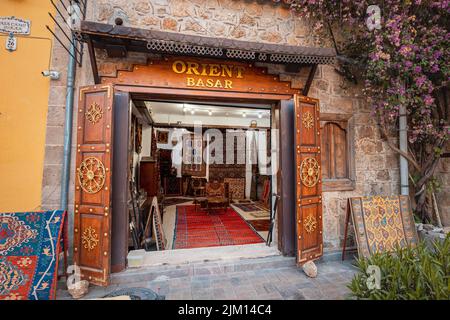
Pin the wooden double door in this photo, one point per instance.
(94, 182)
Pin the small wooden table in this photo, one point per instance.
(214, 203)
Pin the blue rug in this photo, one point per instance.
(30, 244)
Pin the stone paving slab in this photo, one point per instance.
(284, 282)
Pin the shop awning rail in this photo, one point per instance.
(66, 16)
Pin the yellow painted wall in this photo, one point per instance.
(23, 106)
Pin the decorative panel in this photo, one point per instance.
(92, 218)
(308, 180)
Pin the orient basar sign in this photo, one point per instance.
(209, 75)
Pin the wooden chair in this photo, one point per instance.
(217, 195)
(198, 186)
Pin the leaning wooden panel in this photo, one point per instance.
(92, 218)
(308, 180)
(381, 223)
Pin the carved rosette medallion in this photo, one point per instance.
(310, 224)
(89, 239)
(308, 120)
(91, 175)
(309, 172)
(94, 113)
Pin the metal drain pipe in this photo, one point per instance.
(65, 175)
(403, 144)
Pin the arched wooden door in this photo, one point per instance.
(92, 218)
(308, 180)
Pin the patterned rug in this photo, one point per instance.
(247, 207)
(381, 223)
(260, 225)
(236, 187)
(242, 201)
(260, 214)
(197, 229)
(174, 201)
(30, 243)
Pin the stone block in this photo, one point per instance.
(53, 155)
(231, 4)
(271, 36)
(247, 20)
(376, 162)
(57, 95)
(443, 198)
(193, 26)
(383, 175)
(321, 85)
(218, 29)
(56, 115)
(170, 24)
(444, 165)
(104, 12)
(329, 72)
(54, 135)
(238, 32)
(362, 118)
(344, 105)
(253, 8)
(368, 146)
(143, 7)
(50, 193)
(283, 13)
(363, 132)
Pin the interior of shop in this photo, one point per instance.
(199, 174)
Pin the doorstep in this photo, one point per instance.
(142, 258)
(200, 269)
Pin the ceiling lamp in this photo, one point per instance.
(244, 114)
(192, 111)
(210, 112)
(260, 115)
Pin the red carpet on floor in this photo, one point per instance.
(197, 229)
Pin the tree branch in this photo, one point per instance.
(406, 155)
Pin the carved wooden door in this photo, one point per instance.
(92, 218)
(308, 180)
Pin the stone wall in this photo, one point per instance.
(376, 166)
(246, 20)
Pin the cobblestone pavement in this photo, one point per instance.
(281, 279)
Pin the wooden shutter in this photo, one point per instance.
(308, 180)
(334, 150)
(92, 219)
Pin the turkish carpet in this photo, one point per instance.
(174, 201)
(382, 222)
(197, 229)
(260, 224)
(236, 187)
(30, 245)
(247, 207)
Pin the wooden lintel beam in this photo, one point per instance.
(293, 68)
(308, 83)
(93, 61)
